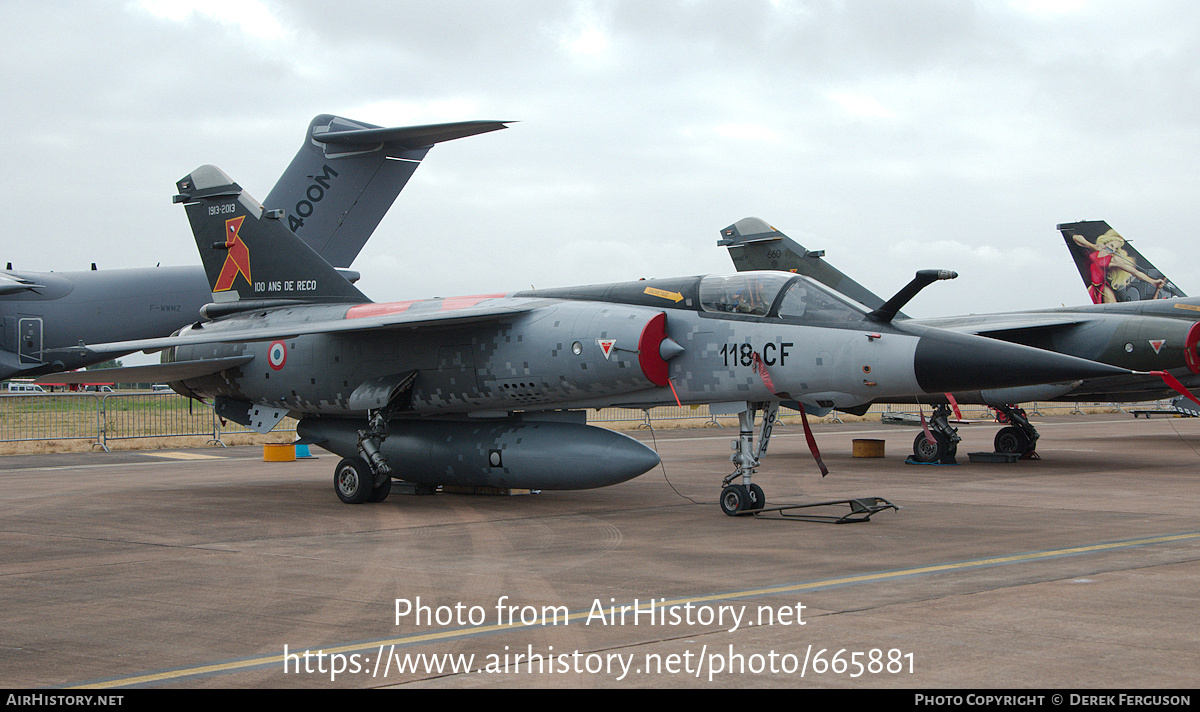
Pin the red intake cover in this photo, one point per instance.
(651, 361)
(1189, 348)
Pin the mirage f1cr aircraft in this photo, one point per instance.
(1117, 275)
(491, 390)
(1143, 337)
(336, 190)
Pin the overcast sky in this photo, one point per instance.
(894, 135)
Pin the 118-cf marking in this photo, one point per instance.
(743, 354)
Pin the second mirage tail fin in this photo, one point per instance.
(754, 245)
(1112, 269)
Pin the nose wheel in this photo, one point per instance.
(747, 499)
(742, 498)
(944, 445)
(940, 450)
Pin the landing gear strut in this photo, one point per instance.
(747, 499)
(747, 496)
(945, 439)
(1020, 437)
(368, 478)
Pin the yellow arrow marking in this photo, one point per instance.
(673, 296)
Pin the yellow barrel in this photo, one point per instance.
(867, 448)
(279, 452)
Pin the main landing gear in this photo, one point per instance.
(368, 478)
(1018, 438)
(945, 439)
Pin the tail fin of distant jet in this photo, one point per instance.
(1111, 269)
(248, 252)
(755, 245)
(346, 176)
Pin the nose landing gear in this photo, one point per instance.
(747, 499)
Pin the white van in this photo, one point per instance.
(24, 388)
(160, 387)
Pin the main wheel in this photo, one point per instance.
(1012, 441)
(925, 451)
(381, 492)
(757, 497)
(353, 480)
(734, 499)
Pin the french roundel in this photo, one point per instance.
(277, 355)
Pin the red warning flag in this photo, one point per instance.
(761, 367)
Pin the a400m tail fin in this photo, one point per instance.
(348, 173)
(248, 252)
(1111, 269)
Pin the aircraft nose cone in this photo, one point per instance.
(949, 361)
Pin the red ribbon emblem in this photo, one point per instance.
(237, 261)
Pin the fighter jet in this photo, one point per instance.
(491, 390)
(1113, 271)
(338, 187)
(1135, 336)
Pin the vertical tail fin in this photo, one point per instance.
(348, 173)
(755, 245)
(1112, 270)
(248, 252)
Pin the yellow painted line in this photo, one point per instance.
(978, 563)
(409, 640)
(183, 456)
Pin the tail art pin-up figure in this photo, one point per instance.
(1112, 269)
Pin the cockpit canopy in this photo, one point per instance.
(755, 293)
(750, 293)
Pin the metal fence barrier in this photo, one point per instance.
(70, 416)
(125, 416)
(105, 417)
